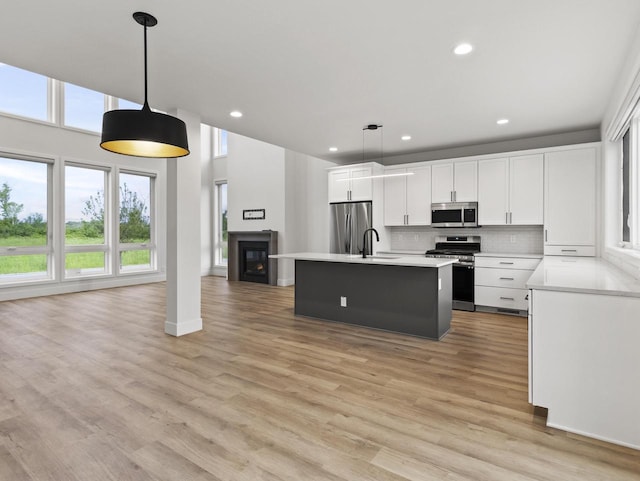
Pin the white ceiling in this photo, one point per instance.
(309, 75)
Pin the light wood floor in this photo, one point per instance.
(91, 389)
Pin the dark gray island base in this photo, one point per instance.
(398, 298)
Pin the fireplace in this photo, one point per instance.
(254, 261)
(249, 253)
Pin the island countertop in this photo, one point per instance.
(386, 259)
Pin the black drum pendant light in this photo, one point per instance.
(144, 133)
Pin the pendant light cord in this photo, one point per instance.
(146, 103)
(374, 127)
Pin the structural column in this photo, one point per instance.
(183, 235)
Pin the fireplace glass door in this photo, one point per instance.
(254, 261)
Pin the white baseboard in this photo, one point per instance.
(286, 282)
(218, 271)
(182, 328)
(594, 436)
(51, 288)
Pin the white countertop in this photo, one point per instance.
(404, 252)
(588, 275)
(386, 259)
(503, 254)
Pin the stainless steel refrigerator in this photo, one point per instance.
(349, 220)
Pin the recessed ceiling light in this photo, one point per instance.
(463, 49)
(236, 113)
(406, 137)
(333, 149)
(502, 121)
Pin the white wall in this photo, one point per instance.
(306, 208)
(291, 187)
(206, 202)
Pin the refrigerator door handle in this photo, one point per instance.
(347, 230)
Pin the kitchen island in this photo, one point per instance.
(406, 294)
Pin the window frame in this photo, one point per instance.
(634, 186)
(48, 248)
(107, 101)
(219, 243)
(87, 248)
(152, 245)
(50, 100)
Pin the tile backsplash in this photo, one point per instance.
(501, 239)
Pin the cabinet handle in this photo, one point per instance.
(451, 195)
(545, 235)
(568, 250)
(506, 278)
(510, 217)
(455, 195)
(506, 263)
(506, 217)
(507, 298)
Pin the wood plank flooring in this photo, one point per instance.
(92, 389)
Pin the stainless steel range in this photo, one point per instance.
(463, 249)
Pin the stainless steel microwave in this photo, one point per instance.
(454, 214)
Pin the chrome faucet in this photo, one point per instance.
(364, 241)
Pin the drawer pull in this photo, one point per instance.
(506, 278)
(507, 298)
(506, 263)
(569, 250)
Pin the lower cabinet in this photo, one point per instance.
(500, 283)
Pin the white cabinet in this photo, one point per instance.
(510, 191)
(407, 198)
(350, 184)
(570, 202)
(500, 283)
(584, 355)
(454, 182)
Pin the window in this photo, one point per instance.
(219, 142)
(23, 93)
(126, 104)
(136, 235)
(630, 186)
(83, 108)
(221, 243)
(25, 207)
(626, 189)
(86, 208)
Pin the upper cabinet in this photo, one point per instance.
(570, 202)
(407, 196)
(454, 182)
(350, 184)
(510, 190)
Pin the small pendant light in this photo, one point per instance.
(144, 133)
(373, 127)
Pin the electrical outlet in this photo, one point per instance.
(513, 239)
(343, 301)
(416, 237)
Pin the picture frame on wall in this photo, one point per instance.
(253, 214)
